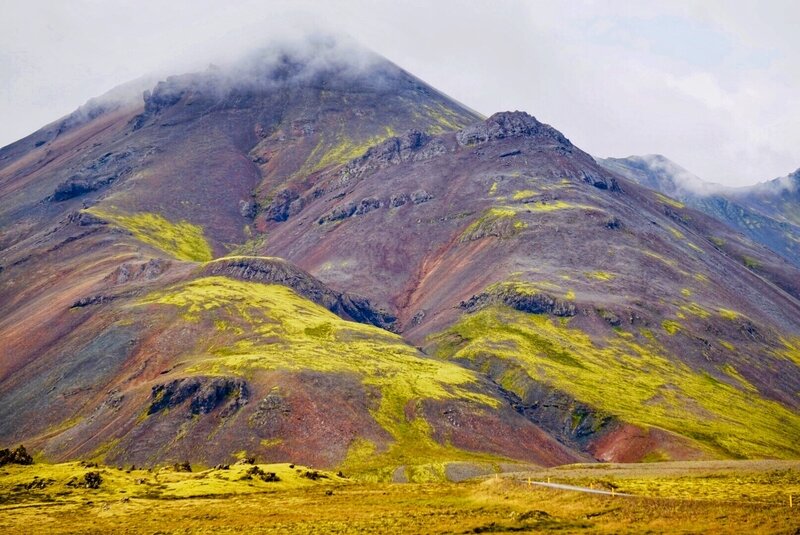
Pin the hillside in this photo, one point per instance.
(332, 263)
(766, 212)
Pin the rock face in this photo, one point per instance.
(204, 394)
(17, 456)
(97, 174)
(277, 271)
(508, 125)
(286, 203)
(412, 146)
(532, 302)
(519, 124)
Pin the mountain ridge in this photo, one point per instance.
(765, 212)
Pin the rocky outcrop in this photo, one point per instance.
(420, 196)
(17, 456)
(411, 146)
(134, 271)
(600, 180)
(94, 176)
(76, 186)
(273, 271)
(508, 125)
(163, 95)
(570, 421)
(277, 271)
(524, 300)
(368, 204)
(286, 203)
(204, 395)
(517, 124)
(338, 213)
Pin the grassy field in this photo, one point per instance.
(714, 497)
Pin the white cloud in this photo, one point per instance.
(711, 84)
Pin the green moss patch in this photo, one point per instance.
(499, 222)
(637, 383)
(270, 327)
(181, 240)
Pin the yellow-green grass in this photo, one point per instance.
(492, 218)
(670, 201)
(504, 504)
(552, 206)
(671, 326)
(529, 288)
(441, 119)
(718, 242)
(728, 314)
(790, 350)
(181, 240)
(763, 481)
(340, 149)
(750, 263)
(677, 233)
(695, 310)
(270, 327)
(638, 383)
(523, 194)
(601, 275)
(163, 482)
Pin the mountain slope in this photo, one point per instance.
(516, 216)
(766, 212)
(332, 263)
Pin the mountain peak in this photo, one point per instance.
(509, 124)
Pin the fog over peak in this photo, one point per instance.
(658, 172)
(711, 84)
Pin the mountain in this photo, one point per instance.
(767, 213)
(312, 256)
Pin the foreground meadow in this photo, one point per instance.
(714, 497)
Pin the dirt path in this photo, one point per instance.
(577, 489)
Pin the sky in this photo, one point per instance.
(710, 84)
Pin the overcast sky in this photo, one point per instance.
(711, 84)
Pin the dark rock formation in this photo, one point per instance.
(205, 395)
(269, 411)
(133, 271)
(367, 205)
(17, 456)
(283, 205)
(524, 301)
(507, 125)
(77, 185)
(96, 175)
(410, 146)
(339, 213)
(277, 271)
(398, 199)
(420, 196)
(571, 422)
